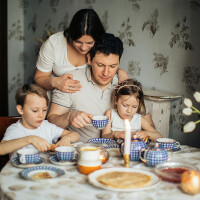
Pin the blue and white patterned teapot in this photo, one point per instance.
(154, 155)
(136, 145)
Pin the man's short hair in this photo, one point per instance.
(23, 91)
(107, 44)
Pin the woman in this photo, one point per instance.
(66, 51)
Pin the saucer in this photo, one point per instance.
(31, 171)
(15, 161)
(53, 159)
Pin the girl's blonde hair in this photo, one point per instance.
(130, 87)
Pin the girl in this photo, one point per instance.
(67, 51)
(128, 101)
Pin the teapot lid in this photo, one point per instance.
(135, 139)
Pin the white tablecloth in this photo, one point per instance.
(74, 185)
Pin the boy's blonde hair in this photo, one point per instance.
(130, 87)
(23, 91)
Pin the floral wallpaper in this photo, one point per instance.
(161, 43)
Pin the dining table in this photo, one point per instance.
(76, 186)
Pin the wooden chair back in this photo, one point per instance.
(4, 123)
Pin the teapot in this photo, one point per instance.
(136, 145)
(154, 155)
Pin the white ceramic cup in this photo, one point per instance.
(168, 143)
(89, 153)
(28, 156)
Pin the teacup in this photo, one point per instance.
(100, 122)
(65, 153)
(89, 153)
(28, 156)
(168, 143)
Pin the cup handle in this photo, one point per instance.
(177, 144)
(76, 155)
(170, 155)
(140, 155)
(22, 158)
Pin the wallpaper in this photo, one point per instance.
(161, 44)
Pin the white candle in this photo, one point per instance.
(127, 144)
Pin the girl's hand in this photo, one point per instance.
(141, 134)
(119, 135)
(65, 83)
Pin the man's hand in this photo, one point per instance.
(80, 119)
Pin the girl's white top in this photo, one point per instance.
(119, 125)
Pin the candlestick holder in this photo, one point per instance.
(127, 160)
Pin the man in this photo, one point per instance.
(75, 110)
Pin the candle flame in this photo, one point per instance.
(127, 124)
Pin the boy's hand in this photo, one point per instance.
(64, 141)
(39, 143)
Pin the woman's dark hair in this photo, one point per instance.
(131, 87)
(107, 44)
(84, 22)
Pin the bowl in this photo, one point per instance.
(172, 171)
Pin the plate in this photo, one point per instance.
(53, 159)
(102, 141)
(15, 161)
(93, 179)
(53, 171)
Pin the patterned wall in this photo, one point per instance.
(161, 40)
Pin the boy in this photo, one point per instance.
(32, 130)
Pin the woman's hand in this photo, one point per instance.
(65, 83)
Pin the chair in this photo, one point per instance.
(4, 123)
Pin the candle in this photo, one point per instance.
(127, 144)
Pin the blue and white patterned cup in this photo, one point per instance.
(65, 153)
(100, 122)
(28, 156)
(168, 143)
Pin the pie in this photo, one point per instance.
(41, 175)
(124, 180)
